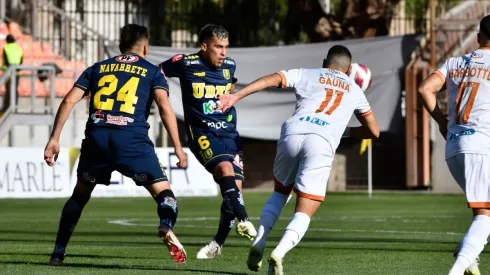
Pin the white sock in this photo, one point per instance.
(473, 242)
(270, 214)
(293, 234)
(459, 266)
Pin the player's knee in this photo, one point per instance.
(223, 169)
(157, 187)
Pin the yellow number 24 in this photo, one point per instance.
(126, 94)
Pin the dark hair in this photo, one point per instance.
(485, 26)
(10, 39)
(130, 35)
(210, 30)
(337, 51)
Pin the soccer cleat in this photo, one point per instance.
(246, 229)
(254, 261)
(209, 251)
(275, 264)
(473, 268)
(56, 261)
(175, 248)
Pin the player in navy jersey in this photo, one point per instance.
(121, 89)
(212, 135)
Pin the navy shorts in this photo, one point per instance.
(210, 149)
(132, 154)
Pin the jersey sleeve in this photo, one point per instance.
(173, 67)
(442, 71)
(290, 78)
(159, 81)
(363, 108)
(83, 82)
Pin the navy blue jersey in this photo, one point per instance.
(200, 85)
(121, 92)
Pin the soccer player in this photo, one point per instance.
(121, 89)
(467, 134)
(212, 134)
(326, 98)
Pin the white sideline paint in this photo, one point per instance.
(134, 222)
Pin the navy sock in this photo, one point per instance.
(167, 207)
(225, 224)
(69, 218)
(233, 197)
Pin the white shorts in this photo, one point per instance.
(472, 173)
(305, 161)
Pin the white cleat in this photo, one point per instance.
(246, 229)
(275, 264)
(473, 268)
(210, 251)
(254, 261)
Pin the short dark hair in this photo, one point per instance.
(210, 30)
(10, 38)
(338, 55)
(485, 26)
(130, 35)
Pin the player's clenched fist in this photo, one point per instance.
(182, 156)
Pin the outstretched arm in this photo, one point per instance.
(268, 81)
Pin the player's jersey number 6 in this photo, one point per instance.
(127, 94)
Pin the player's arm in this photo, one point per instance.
(160, 89)
(169, 119)
(172, 67)
(427, 90)
(369, 128)
(365, 115)
(79, 90)
(268, 81)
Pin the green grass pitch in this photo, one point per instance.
(350, 234)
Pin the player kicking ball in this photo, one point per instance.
(326, 99)
(121, 90)
(466, 131)
(212, 134)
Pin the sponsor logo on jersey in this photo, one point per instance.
(216, 125)
(97, 116)
(209, 108)
(229, 62)
(226, 74)
(229, 118)
(314, 120)
(455, 136)
(193, 62)
(476, 55)
(200, 74)
(118, 120)
(127, 58)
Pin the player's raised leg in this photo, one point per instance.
(167, 212)
(69, 218)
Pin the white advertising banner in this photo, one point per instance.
(24, 174)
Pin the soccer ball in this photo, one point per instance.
(361, 75)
